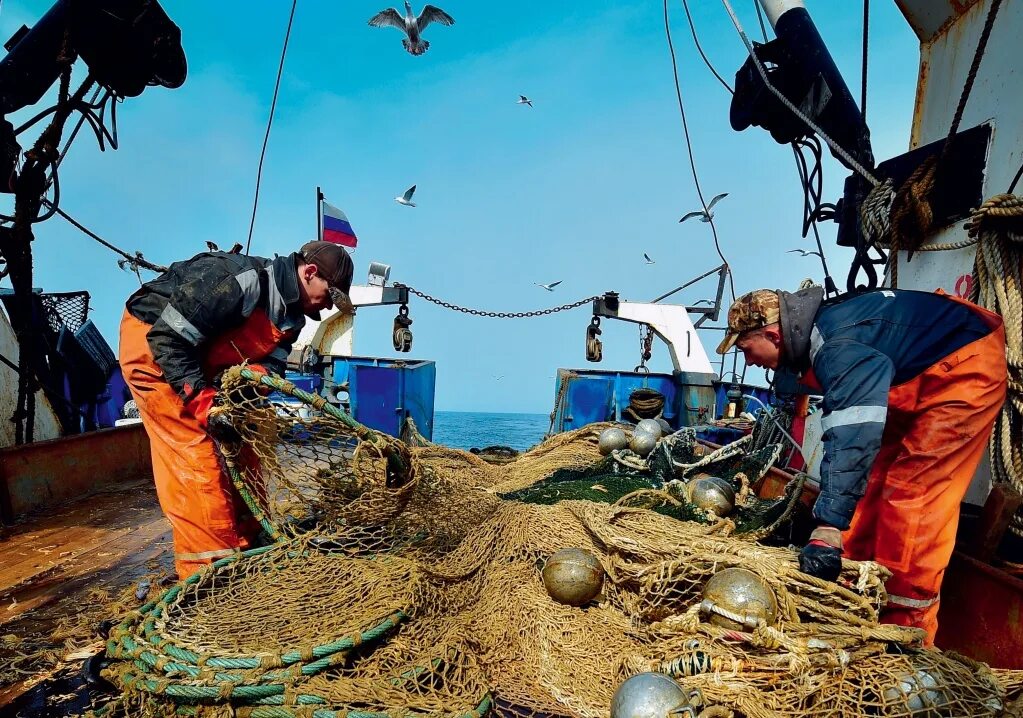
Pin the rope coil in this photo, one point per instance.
(997, 227)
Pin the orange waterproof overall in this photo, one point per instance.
(937, 430)
(208, 517)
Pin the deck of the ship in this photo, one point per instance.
(54, 562)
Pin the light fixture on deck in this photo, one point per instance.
(378, 274)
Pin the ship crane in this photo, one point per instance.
(671, 323)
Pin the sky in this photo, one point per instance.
(576, 188)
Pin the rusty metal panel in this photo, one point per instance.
(47, 425)
(49, 472)
(930, 17)
(981, 613)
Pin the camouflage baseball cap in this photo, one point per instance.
(750, 311)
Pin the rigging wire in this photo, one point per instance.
(760, 17)
(1019, 173)
(269, 124)
(135, 260)
(812, 181)
(689, 148)
(699, 48)
(863, 69)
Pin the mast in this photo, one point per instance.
(319, 218)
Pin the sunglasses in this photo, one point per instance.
(340, 299)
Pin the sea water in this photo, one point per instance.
(470, 429)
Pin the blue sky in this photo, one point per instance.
(576, 188)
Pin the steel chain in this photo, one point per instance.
(497, 315)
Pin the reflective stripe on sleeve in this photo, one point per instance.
(185, 329)
(855, 415)
(248, 281)
(912, 602)
(204, 555)
(816, 342)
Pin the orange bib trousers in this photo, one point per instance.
(208, 517)
(935, 436)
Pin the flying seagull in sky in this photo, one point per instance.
(411, 25)
(803, 253)
(647, 258)
(406, 199)
(523, 100)
(549, 287)
(705, 216)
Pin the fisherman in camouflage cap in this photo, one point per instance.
(750, 312)
(912, 383)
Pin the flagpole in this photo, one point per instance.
(319, 218)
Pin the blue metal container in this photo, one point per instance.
(586, 396)
(383, 392)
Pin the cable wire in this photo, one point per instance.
(135, 260)
(699, 48)
(812, 181)
(689, 148)
(863, 69)
(269, 124)
(1015, 180)
(760, 17)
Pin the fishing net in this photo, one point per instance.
(407, 582)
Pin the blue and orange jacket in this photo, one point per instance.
(856, 349)
(218, 309)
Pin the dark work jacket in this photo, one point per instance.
(218, 309)
(858, 348)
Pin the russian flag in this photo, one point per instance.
(335, 226)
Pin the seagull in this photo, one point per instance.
(406, 199)
(236, 249)
(211, 246)
(803, 253)
(523, 100)
(705, 215)
(703, 301)
(411, 25)
(549, 287)
(647, 258)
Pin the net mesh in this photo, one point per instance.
(407, 582)
(65, 309)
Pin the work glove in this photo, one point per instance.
(251, 393)
(822, 556)
(212, 419)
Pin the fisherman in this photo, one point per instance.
(912, 384)
(178, 333)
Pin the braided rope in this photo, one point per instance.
(998, 286)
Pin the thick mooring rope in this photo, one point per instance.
(998, 286)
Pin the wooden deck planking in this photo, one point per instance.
(45, 557)
(108, 540)
(46, 542)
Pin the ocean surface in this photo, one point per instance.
(469, 429)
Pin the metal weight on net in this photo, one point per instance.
(573, 576)
(610, 440)
(652, 695)
(643, 442)
(650, 426)
(923, 693)
(712, 493)
(738, 599)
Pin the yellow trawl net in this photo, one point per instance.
(404, 582)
